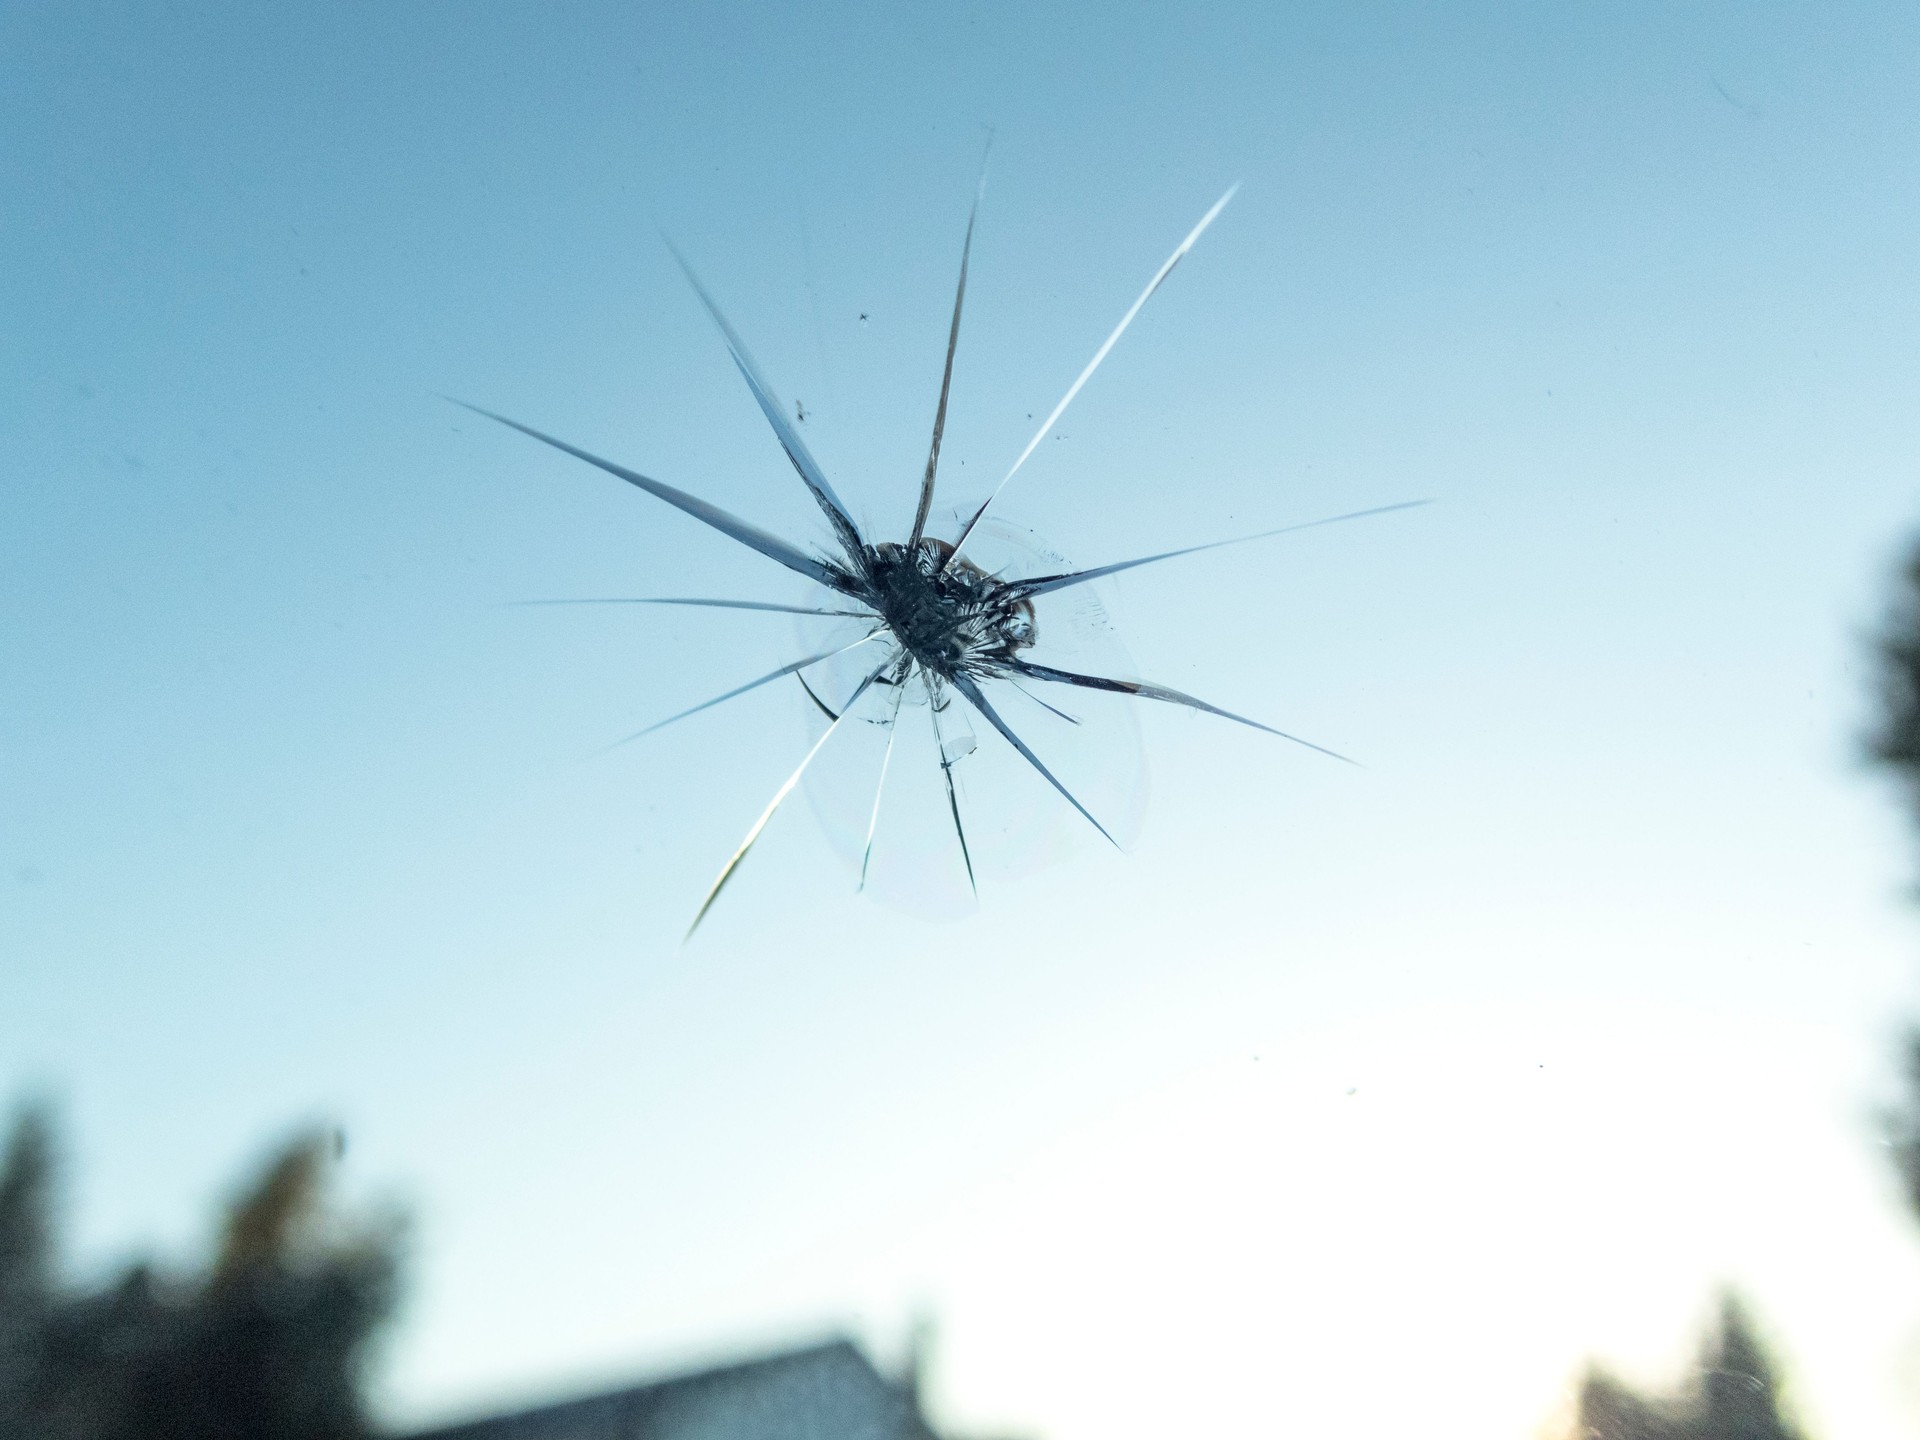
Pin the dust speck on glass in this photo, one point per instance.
(910, 642)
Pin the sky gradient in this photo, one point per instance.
(1347, 1096)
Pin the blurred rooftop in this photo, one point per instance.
(827, 1391)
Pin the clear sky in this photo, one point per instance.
(1345, 1096)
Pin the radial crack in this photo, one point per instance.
(1043, 584)
(1159, 279)
(953, 795)
(1149, 691)
(766, 679)
(809, 469)
(716, 604)
(726, 871)
(979, 702)
(946, 376)
(880, 787)
(752, 536)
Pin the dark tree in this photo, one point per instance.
(1896, 738)
(26, 1264)
(269, 1344)
(1733, 1394)
(1896, 744)
(1903, 1127)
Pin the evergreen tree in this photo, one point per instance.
(1734, 1397)
(1896, 745)
(26, 1263)
(1896, 740)
(1733, 1394)
(273, 1344)
(269, 1344)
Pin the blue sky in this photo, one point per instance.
(300, 818)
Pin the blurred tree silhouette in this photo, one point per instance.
(269, 1344)
(1737, 1389)
(1896, 739)
(26, 1261)
(1732, 1395)
(1896, 745)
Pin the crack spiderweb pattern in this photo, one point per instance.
(926, 654)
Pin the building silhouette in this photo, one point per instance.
(827, 1391)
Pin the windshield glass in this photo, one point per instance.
(1435, 964)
